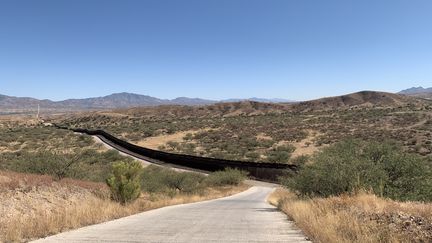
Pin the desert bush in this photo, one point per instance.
(172, 145)
(55, 152)
(45, 163)
(280, 154)
(351, 165)
(79, 164)
(157, 179)
(188, 137)
(124, 181)
(153, 179)
(189, 148)
(187, 182)
(252, 155)
(226, 177)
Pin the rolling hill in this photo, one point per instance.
(359, 99)
(225, 109)
(247, 108)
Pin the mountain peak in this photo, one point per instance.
(419, 92)
(415, 90)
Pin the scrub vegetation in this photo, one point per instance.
(274, 135)
(34, 206)
(364, 159)
(52, 180)
(59, 153)
(357, 191)
(354, 165)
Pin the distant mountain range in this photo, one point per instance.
(358, 100)
(262, 100)
(419, 92)
(10, 104)
(416, 90)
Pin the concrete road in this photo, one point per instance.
(244, 217)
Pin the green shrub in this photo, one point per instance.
(226, 177)
(157, 179)
(188, 137)
(187, 182)
(85, 165)
(351, 165)
(47, 163)
(252, 155)
(124, 181)
(153, 179)
(280, 154)
(172, 145)
(55, 152)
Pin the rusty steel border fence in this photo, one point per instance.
(263, 171)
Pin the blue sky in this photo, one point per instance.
(294, 49)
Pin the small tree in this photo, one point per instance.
(124, 181)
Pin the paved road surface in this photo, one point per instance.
(244, 217)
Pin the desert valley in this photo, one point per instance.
(245, 121)
(49, 173)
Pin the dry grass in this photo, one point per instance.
(34, 206)
(360, 218)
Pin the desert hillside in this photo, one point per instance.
(214, 110)
(361, 99)
(358, 100)
(254, 131)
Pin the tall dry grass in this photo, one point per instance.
(48, 207)
(360, 218)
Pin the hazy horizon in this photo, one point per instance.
(223, 99)
(296, 50)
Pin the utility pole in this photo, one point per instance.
(37, 116)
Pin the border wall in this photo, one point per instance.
(263, 171)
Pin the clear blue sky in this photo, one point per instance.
(294, 49)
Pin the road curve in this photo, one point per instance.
(244, 217)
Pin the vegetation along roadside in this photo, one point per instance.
(357, 191)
